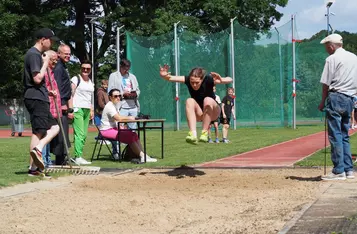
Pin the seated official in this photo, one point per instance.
(108, 127)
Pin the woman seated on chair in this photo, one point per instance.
(109, 130)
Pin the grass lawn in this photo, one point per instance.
(318, 159)
(15, 157)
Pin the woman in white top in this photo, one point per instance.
(82, 93)
(109, 130)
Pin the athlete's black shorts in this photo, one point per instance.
(40, 116)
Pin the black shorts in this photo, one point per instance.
(225, 120)
(215, 121)
(40, 116)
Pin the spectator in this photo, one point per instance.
(62, 77)
(102, 100)
(128, 86)
(215, 123)
(339, 84)
(109, 128)
(44, 126)
(201, 106)
(54, 94)
(82, 94)
(16, 113)
(227, 112)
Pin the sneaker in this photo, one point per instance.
(39, 173)
(210, 140)
(217, 140)
(350, 175)
(333, 176)
(116, 156)
(225, 141)
(107, 142)
(36, 156)
(82, 161)
(148, 159)
(204, 136)
(191, 139)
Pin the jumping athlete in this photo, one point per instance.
(201, 106)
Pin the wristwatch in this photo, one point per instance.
(70, 110)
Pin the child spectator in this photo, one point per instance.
(215, 122)
(227, 111)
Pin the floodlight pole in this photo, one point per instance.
(294, 70)
(233, 70)
(92, 20)
(177, 87)
(328, 5)
(118, 47)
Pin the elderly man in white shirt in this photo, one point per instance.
(339, 84)
(128, 86)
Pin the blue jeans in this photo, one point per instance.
(338, 111)
(46, 156)
(130, 112)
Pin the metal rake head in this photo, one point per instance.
(74, 170)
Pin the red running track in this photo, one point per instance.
(284, 154)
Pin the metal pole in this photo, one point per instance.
(177, 73)
(281, 81)
(294, 72)
(233, 70)
(118, 47)
(93, 65)
(328, 19)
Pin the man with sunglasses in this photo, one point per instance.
(128, 87)
(44, 126)
(64, 84)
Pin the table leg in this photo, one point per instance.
(144, 132)
(162, 140)
(138, 123)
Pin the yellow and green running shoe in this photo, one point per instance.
(191, 139)
(204, 136)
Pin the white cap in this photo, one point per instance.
(333, 38)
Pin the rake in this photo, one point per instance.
(68, 165)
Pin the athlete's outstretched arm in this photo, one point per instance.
(165, 74)
(219, 80)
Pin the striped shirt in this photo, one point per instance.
(51, 98)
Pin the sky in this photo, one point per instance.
(310, 16)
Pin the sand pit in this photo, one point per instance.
(165, 201)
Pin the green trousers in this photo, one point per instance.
(80, 128)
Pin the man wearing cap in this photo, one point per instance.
(44, 126)
(339, 84)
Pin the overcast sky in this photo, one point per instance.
(310, 16)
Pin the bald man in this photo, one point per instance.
(64, 85)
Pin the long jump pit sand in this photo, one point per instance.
(165, 201)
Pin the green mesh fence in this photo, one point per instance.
(263, 73)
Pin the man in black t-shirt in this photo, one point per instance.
(44, 126)
(227, 111)
(202, 105)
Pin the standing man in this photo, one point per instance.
(128, 87)
(44, 126)
(339, 84)
(64, 84)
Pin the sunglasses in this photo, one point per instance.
(85, 68)
(54, 60)
(116, 96)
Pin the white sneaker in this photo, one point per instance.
(148, 159)
(350, 175)
(106, 142)
(82, 161)
(333, 176)
(116, 156)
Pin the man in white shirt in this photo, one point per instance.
(128, 86)
(339, 84)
